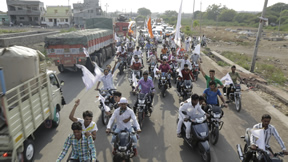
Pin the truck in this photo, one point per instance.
(68, 49)
(30, 96)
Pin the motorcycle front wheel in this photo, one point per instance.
(105, 118)
(206, 156)
(214, 135)
(163, 91)
(238, 104)
(141, 118)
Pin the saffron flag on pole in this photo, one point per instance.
(150, 28)
(227, 79)
(178, 27)
(88, 78)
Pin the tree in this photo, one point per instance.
(195, 23)
(144, 11)
(213, 11)
(227, 15)
(170, 13)
(244, 17)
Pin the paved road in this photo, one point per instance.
(158, 141)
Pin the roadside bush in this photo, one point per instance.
(68, 30)
(222, 63)
(271, 73)
(5, 31)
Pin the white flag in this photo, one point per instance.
(155, 71)
(197, 49)
(178, 26)
(134, 80)
(85, 52)
(199, 39)
(88, 78)
(98, 73)
(227, 79)
(260, 137)
(116, 38)
(102, 99)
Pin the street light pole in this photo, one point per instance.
(280, 20)
(262, 21)
(193, 15)
(106, 5)
(200, 17)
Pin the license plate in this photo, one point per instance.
(66, 55)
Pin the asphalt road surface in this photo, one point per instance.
(158, 141)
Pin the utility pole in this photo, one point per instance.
(193, 15)
(106, 5)
(280, 20)
(262, 22)
(200, 17)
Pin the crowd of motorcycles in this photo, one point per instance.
(204, 130)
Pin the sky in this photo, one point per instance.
(163, 5)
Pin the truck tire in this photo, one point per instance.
(107, 53)
(104, 55)
(29, 150)
(100, 59)
(61, 68)
(113, 49)
(56, 121)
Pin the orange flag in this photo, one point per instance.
(150, 28)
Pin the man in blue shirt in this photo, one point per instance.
(211, 94)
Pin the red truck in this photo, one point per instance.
(67, 49)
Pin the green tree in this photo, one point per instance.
(170, 13)
(195, 23)
(144, 11)
(244, 17)
(227, 15)
(213, 11)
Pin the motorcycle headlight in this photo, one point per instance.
(122, 148)
(163, 78)
(141, 101)
(203, 134)
(103, 94)
(216, 115)
(238, 90)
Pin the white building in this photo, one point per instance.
(60, 16)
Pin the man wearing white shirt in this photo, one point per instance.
(121, 115)
(139, 54)
(191, 108)
(107, 79)
(184, 61)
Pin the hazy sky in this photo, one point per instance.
(163, 5)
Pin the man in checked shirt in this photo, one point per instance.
(269, 130)
(83, 148)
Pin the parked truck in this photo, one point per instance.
(67, 49)
(30, 95)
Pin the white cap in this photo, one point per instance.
(165, 57)
(123, 100)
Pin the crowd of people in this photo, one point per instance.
(85, 130)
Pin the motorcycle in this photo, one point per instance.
(186, 90)
(214, 121)
(129, 57)
(258, 154)
(123, 146)
(174, 66)
(108, 101)
(163, 55)
(163, 83)
(143, 107)
(151, 70)
(123, 63)
(195, 70)
(235, 95)
(199, 135)
(203, 43)
(142, 44)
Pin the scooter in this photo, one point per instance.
(199, 135)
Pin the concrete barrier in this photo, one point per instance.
(23, 39)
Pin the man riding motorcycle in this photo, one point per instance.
(163, 51)
(165, 68)
(211, 78)
(121, 53)
(152, 60)
(234, 76)
(184, 61)
(191, 107)
(146, 86)
(211, 94)
(195, 58)
(121, 115)
(186, 77)
(139, 54)
(136, 65)
(269, 130)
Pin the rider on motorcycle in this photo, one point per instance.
(211, 78)
(130, 47)
(165, 68)
(185, 61)
(234, 76)
(152, 60)
(191, 107)
(107, 79)
(121, 115)
(187, 44)
(269, 130)
(186, 77)
(163, 51)
(211, 94)
(146, 86)
(89, 127)
(121, 53)
(195, 57)
(139, 54)
(136, 64)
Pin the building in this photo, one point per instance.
(27, 12)
(88, 9)
(4, 19)
(60, 16)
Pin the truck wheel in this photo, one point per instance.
(29, 150)
(113, 50)
(100, 60)
(104, 55)
(61, 68)
(56, 120)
